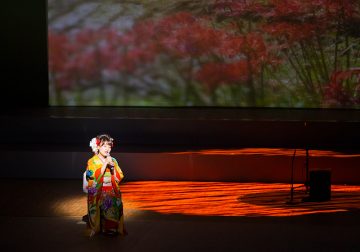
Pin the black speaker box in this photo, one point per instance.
(320, 185)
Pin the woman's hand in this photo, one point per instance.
(106, 162)
(109, 161)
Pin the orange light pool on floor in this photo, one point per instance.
(272, 152)
(232, 199)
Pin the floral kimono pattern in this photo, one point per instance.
(105, 207)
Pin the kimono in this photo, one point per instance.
(105, 207)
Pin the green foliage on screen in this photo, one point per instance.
(260, 53)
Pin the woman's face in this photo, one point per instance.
(105, 149)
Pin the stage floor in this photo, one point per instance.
(182, 216)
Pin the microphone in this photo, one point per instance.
(111, 166)
(112, 169)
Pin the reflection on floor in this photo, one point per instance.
(273, 152)
(65, 198)
(233, 199)
(45, 215)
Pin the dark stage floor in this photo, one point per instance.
(45, 215)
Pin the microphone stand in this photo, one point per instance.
(291, 201)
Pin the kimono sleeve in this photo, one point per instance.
(119, 174)
(90, 172)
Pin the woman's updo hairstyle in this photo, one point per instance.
(100, 140)
(103, 138)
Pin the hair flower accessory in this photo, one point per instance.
(94, 143)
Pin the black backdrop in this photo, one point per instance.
(24, 54)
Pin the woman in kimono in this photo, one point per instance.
(103, 176)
